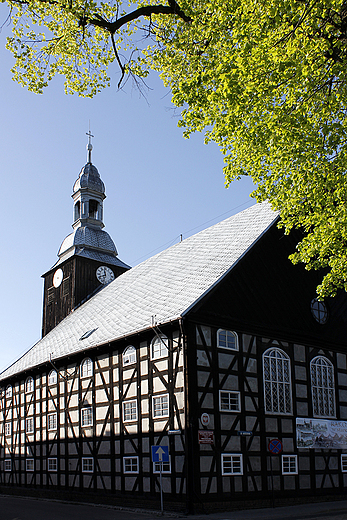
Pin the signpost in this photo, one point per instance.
(160, 454)
(275, 447)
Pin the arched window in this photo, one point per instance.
(93, 209)
(29, 385)
(277, 383)
(86, 368)
(9, 391)
(77, 210)
(227, 339)
(129, 355)
(159, 347)
(323, 387)
(52, 377)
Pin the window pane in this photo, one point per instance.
(323, 387)
(277, 382)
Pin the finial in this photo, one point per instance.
(89, 145)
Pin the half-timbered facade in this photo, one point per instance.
(214, 348)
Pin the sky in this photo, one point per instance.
(158, 184)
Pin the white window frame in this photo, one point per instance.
(134, 465)
(166, 467)
(129, 356)
(230, 463)
(231, 406)
(159, 347)
(52, 378)
(86, 368)
(87, 461)
(130, 411)
(322, 387)
(8, 392)
(159, 399)
(52, 464)
(7, 465)
(8, 429)
(29, 385)
(86, 416)
(344, 462)
(278, 389)
(289, 464)
(223, 337)
(29, 465)
(29, 425)
(52, 417)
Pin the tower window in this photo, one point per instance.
(77, 210)
(93, 209)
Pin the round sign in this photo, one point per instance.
(205, 419)
(275, 446)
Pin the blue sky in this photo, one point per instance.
(158, 184)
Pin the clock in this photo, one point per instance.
(104, 274)
(58, 277)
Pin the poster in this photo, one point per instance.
(321, 433)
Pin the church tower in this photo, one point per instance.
(87, 257)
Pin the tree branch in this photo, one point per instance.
(147, 10)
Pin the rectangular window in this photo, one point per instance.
(86, 416)
(166, 467)
(130, 411)
(289, 464)
(344, 463)
(8, 465)
(229, 401)
(29, 425)
(87, 464)
(52, 465)
(52, 421)
(131, 464)
(161, 406)
(29, 464)
(8, 428)
(232, 464)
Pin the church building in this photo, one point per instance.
(215, 349)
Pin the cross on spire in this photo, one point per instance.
(89, 145)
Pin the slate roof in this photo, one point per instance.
(166, 286)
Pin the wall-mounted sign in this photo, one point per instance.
(321, 433)
(245, 433)
(275, 446)
(205, 419)
(206, 437)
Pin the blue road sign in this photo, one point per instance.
(160, 453)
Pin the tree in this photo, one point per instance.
(264, 79)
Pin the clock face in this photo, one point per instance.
(58, 278)
(104, 274)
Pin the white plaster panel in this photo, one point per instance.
(131, 428)
(145, 425)
(342, 379)
(299, 353)
(341, 361)
(301, 390)
(228, 420)
(302, 409)
(202, 359)
(144, 368)
(161, 365)
(101, 412)
(225, 358)
(206, 334)
(144, 406)
(158, 386)
(203, 377)
(103, 361)
(144, 387)
(207, 401)
(287, 426)
(300, 373)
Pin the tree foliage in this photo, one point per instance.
(264, 79)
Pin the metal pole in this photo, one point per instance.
(161, 489)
